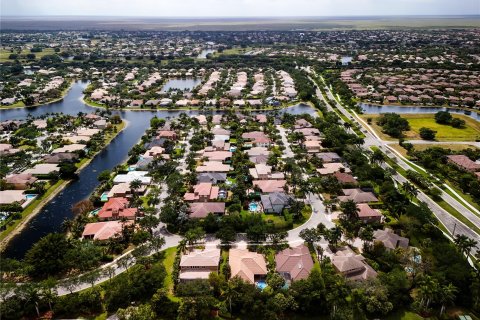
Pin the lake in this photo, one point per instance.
(372, 109)
(50, 218)
(181, 84)
(203, 54)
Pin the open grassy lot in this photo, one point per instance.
(471, 132)
(38, 55)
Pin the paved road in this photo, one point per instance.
(442, 215)
(319, 215)
(287, 153)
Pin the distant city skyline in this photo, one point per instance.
(237, 8)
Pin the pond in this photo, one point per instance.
(372, 109)
(204, 53)
(52, 215)
(181, 84)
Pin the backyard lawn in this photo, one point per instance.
(471, 132)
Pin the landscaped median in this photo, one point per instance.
(444, 205)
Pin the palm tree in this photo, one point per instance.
(30, 294)
(447, 296)
(135, 185)
(182, 246)
(428, 291)
(377, 157)
(409, 189)
(464, 243)
(48, 291)
(230, 293)
(350, 210)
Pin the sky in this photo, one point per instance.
(237, 8)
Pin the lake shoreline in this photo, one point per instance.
(24, 221)
(64, 93)
(418, 106)
(99, 106)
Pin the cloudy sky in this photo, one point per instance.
(237, 8)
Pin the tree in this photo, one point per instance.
(149, 222)
(109, 272)
(377, 157)
(30, 293)
(91, 277)
(46, 257)
(48, 291)
(458, 123)
(447, 296)
(310, 235)
(393, 125)
(428, 291)
(350, 210)
(443, 117)
(135, 185)
(68, 170)
(427, 133)
(464, 243)
(275, 281)
(226, 235)
(195, 234)
(82, 207)
(409, 189)
(104, 176)
(143, 312)
(40, 187)
(277, 237)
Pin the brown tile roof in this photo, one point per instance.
(297, 262)
(202, 209)
(464, 162)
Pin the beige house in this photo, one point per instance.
(198, 264)
(250, 266)
(353, 266)
(43, 169)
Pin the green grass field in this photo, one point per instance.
(38, 55)
(471, 132)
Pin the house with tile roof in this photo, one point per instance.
(357, 196)
(198, 264)
(250, 266)
(116, 209)
(102, 231)
(201, 210)
(294, 263)
(275, 202)
(390, 239)
(21, 181)
(202, 192)
(353, 266)
(267, 186)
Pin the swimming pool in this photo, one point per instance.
(30, 196)
(95, 212)
(261, 284)
(253, 206)
(104, 197)
(233, 149)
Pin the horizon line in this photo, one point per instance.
(253, 16)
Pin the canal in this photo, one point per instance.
(52, 215)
